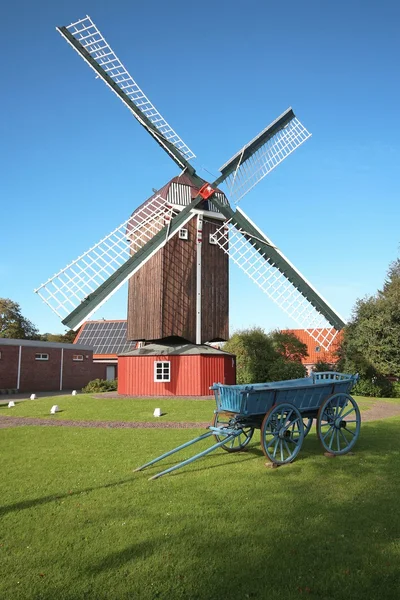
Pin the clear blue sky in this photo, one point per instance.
(74, 162)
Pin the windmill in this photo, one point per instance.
(174, 248)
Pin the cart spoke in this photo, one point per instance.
(344, 437)
(287, 448)
(276, 447)
(348, 412)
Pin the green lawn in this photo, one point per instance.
(84, 407)
(77, 523)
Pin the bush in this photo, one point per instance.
(322, 367)
(282, 369)
(377, 388)
(100, 385)
(396, 389)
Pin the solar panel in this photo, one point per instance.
(106, 337)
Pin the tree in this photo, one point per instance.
(289, 346)
(64, 338)
(371, 341)
(282, 369)
(13, 324)
(321, 367)
(261, 357)
(254, 354)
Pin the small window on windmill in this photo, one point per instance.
(213, 239)
(183, 234)
(317, 349)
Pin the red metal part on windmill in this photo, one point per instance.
(206, 191)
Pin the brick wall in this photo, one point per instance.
(44, 375)
(76, 374)
(8, 367)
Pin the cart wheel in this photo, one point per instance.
(282, 433)
(307, 426)
(239, 442)
(338, 423)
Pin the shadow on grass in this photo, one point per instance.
(26, 504)
(328, 531)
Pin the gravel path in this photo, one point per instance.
(18, 421)
(379, 410)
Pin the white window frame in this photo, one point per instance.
(41, 356)
(183, 234)
(212, 239)
(77, 357)
(163, 368)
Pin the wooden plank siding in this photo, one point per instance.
(178, 315)
(214, 287)
(162, 295)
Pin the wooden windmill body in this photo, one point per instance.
(183, 289)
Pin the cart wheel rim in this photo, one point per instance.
(282, 433)
(237, 443)
(338, 423)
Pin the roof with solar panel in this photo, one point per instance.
(107, 338)
(183, 287)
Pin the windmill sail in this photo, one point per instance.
(90, 44)
(79, 289)
(260, 156)
(255, 254)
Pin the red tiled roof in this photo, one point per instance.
(315, 355)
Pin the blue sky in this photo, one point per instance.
(75, 163)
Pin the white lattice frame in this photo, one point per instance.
(274, 283)
(265, 159)
(69, 287)
(88, 35)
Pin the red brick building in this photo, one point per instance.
(32, 366)
(316, 353)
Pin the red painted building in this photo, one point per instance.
(178, 369)
(317, 353)
(32, 366)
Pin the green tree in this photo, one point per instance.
(282, 369)
(13, 324)
(262, 357)
(321, 367)
(288, 346)
(254, 354)
(371, 341)
(64, 338)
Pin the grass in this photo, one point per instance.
(77, 523)
(85, 407)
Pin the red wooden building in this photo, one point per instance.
(175, 369)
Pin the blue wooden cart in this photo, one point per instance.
(284, 412)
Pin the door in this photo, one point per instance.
(110, 372)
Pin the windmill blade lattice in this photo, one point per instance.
(90, 38)
(260, 156)
(69, 287)
(272, 281)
